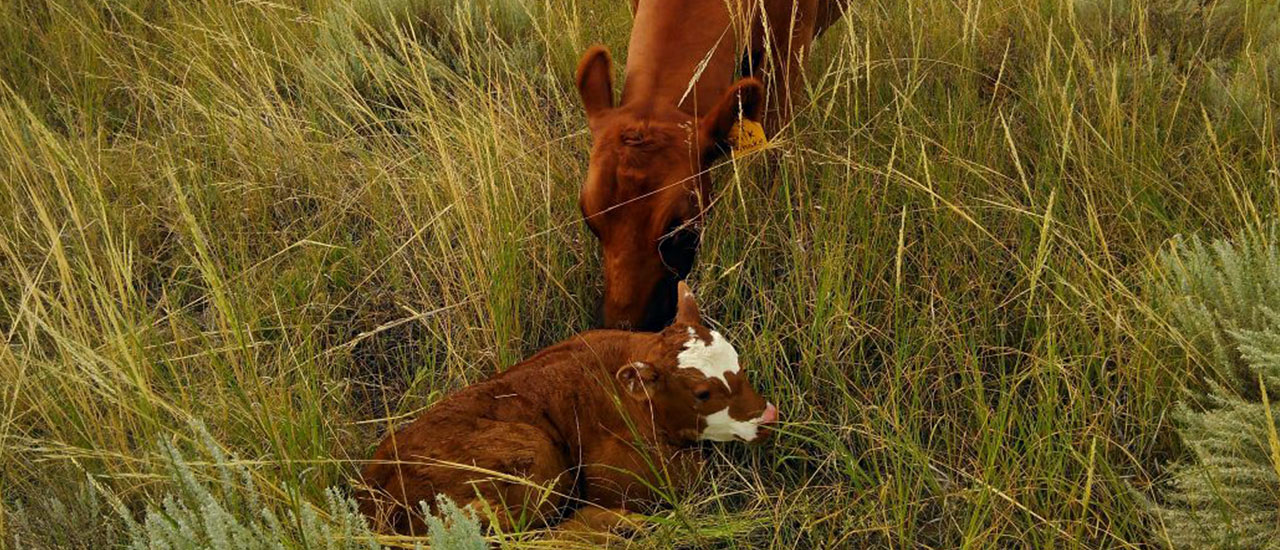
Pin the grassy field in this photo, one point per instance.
(301, 222)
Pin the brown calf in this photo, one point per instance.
(598, 419)
(647, 186)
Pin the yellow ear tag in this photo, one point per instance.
(747, 136)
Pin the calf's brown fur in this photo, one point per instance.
(598, 419)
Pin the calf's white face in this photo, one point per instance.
(713, 360)
(695, 385)
(717, 361)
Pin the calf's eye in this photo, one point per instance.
(702, 394)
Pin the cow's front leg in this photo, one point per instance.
(784, 36)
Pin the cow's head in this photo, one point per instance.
(694, 384)
(647, 188)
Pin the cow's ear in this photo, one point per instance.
(744, 100)
(595, 81)
(687, 306)
(638, 379)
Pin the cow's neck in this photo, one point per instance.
(670, 41)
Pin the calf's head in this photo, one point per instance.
(694, 384)
(647, 187)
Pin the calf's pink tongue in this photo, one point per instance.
(770, 414)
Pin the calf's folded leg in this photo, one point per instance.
(595, 525)
(511, 474)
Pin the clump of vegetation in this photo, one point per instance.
(1225, 298)
(226, 512)
(39, 522)
(216, 506)
(453, 528)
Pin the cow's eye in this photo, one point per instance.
(702, 394)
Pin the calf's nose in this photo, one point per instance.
(770, 414)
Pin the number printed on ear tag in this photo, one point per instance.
(747, 136)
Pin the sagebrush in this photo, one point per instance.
(1225, 298)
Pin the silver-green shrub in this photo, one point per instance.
(39, 522)
(226, 513)
(454, 528)
(1224, 298)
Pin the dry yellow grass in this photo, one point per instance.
(301, 222)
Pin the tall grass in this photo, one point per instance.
(301, 222)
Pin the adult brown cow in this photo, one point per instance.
(647, 185)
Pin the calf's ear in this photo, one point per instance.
(744, 100)
(638, 379)
(595, 81)
(687, 306)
